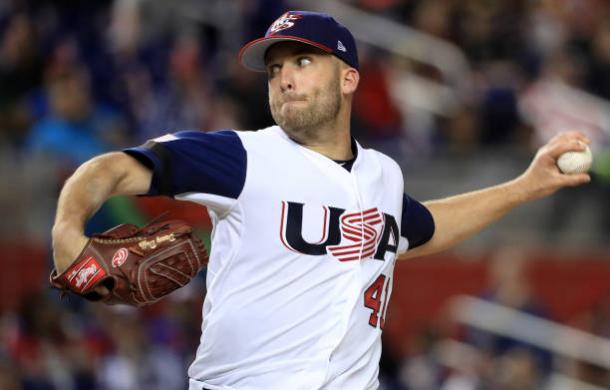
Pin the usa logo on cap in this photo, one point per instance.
(310, 28)
(283, 22)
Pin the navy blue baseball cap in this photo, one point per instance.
(313, 28)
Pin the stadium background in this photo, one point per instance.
(460, 92)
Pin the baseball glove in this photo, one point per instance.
(137, 266)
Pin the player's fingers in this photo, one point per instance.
(102, 290)
(570, 136)
(575, 179)
(557, 149)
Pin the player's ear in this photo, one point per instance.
(349, 80)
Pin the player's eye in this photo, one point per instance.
(272, 70)
(303, 61)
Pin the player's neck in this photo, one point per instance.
(333, 139)
(336, 146)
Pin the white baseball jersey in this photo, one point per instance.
(302, 255)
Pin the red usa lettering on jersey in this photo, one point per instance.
(347, 236)
(363, 230)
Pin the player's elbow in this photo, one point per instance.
(115, 172)
(103, 165)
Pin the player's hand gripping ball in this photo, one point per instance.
(575, 162)
(135, 266)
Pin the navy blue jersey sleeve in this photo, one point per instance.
(194, 161)
(417, 224)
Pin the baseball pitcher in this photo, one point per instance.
(308, 224)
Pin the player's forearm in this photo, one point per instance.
(84, 193)
(97, 180)
(459, 217)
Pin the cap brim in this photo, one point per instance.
(252, 54)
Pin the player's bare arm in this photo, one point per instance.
(83, 194)
(478, 209)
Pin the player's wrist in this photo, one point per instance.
(67, 227)
(68, 242)
(519, 191)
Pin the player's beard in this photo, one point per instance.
(301, 121)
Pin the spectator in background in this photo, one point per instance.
(9, 375)
(75, 127)
(517, 369)
(528, 365)
(598, 79)
(45, 354)
(244, 93)
(9, 378)
(595, 321)
(377, 121)
(500, 122)
(45, 345)
(20, 72)
(556, 102)
(135, 362)
(181, 101)
(421, 370)
(461, 132)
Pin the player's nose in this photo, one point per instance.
(287, 81)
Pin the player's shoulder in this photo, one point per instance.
(196, 135)
(223, 139)
(218, 137)
(265, 138)
(382, 158)
(265, 133)
(271, 131)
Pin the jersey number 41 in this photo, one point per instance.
(373, 300)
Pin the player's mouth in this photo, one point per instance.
(294, 99)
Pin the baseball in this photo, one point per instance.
(575, 162)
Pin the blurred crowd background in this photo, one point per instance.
(460, 92)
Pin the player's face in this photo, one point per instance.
(304, 87)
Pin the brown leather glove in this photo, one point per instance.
(137, 266)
